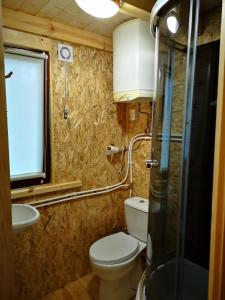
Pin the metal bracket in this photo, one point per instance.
(151, 163)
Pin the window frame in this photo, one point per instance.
(27, 182)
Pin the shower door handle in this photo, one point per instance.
(151, 163)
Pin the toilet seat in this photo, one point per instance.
(114, 249)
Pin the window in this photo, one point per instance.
(27, 111)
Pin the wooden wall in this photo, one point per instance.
(217, 254)
(55, 251)
(6, 253)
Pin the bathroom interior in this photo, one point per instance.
(112, 157)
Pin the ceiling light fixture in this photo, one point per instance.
(172, 23)
(100, 8)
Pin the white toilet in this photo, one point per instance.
(115, 259)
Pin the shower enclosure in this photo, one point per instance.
(182, 153)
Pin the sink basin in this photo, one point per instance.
(23, 217)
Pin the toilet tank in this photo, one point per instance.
(136, 214)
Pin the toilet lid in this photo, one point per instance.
(114, 249)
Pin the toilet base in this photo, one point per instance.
(119, 281)
(123, 288)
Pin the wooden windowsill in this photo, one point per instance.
(43, 189)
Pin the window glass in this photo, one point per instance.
(25, 93)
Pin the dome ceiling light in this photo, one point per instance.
(172, 23)
(100, 8)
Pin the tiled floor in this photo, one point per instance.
(86, 288)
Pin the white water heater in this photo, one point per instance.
(133, 62)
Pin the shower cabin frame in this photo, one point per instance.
(216, 288)
(6, 260)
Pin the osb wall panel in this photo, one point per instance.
(142, 149)
(175, 164)
(211, 26)
(93, 123)
(141, 174)
(55, 251)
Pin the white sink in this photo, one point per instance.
(23, 216)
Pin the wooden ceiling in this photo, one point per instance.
(143, 4)
(68, 12)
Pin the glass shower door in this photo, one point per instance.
(176, 39)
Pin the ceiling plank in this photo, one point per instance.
(67, 12)
(32, 6)
(44, 27)
(52, 8)
(72, 15)
(13, 4)
(134, 12)
(142, 4)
